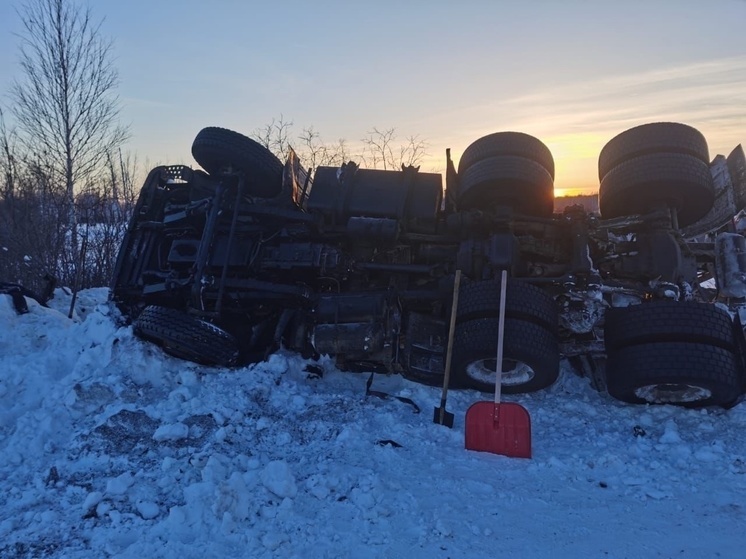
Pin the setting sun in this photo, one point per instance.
(576, 162)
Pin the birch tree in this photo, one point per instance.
(65, 102)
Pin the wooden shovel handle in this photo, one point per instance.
(451, 329)
(500, 338)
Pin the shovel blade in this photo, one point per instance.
(443, 417)
(499, 428)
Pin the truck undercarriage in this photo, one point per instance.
(225, 266)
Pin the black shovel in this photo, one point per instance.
(440, 415)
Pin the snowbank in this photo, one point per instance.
(109, 448)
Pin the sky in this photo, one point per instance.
(572, 73)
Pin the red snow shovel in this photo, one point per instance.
(499, 428)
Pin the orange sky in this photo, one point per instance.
(572, 73)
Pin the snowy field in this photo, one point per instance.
(109, 448)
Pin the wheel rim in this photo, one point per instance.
(671, 393)
(513, 372)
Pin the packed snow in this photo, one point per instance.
(111, 449)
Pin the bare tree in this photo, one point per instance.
(8, 163)
(105, 210)
(65, 104)
(413, 151)
(275, 136)
(379, 150)
(313, 151)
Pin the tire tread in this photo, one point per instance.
(523, 341)
(186, 336)
(708, 366)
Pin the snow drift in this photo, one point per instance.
(110, 448)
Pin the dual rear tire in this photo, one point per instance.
(653, 166)
(508, 169)
(673, 352)
(531, 354)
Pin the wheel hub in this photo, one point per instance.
(513, 372)
(671, 393)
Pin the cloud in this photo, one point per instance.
(576, 120)
(703, 92)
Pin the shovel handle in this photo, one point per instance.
(451, 329)
(500, 338)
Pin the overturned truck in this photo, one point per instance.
(225, 265)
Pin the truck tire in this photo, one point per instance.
(186, 337)
(530, 355)
(507, 143)
(679, 373)
(668, 321)
(656, 137)
(523, 301)
(216, 149)
(507, 180)
(641, 184)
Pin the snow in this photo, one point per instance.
(110, 448)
